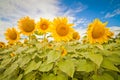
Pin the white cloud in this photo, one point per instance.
(115, 29)
(114, 13)
(82, 31)
(71, 12)
(82, 22)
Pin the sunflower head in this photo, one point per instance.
(64, 51)
(97, 32)
(12, 54)
(12, 35)
(26, 25)
(43, 25)
(62, 30)
(76, 36)
(2, 44)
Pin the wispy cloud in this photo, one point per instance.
(71, 12)
(114, 13)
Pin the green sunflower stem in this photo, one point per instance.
(29, 39)
(44, 37)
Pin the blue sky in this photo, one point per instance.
(79, 12)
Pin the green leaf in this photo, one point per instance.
(32, 66)
(21, 49)
(29, 76)
(67, 66)
(20, 77)
(114, 74)
(5, 62)
(105, 76)
(46, 67)
(83, 65)
(11, 69)
(74, 79)
(114, 58)
(61, 77)
(109, 65)
(52, 56)
(6, 51)
(100, 46)
(54, 77)
(24, 60)
(96, 58)
(31, 50)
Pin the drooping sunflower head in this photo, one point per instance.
(26, 25)
(43, 25)
(2, 44)
(64, 51)
(97, 32)
(62, 30)
(76, 36)
(12, 35)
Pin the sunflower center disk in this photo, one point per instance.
(98, 32)
(44, 27)
(28, 27)
(13, 35)
(62, 30)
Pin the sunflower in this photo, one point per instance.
(43, 25)
(64, 51)
(12, 54)
(26, 25)
(2, 44)
(62, 30)
(97, 32)
(12, 35)
(76, 36)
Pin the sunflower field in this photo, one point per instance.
(54, 50)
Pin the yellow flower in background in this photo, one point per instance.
(76, 36)
(26, 25)
(25, 40)
(2, 44)
(97, 32)
(43, 25)
(64, 51)
(62, 30)
(12, 54)
(12, 35)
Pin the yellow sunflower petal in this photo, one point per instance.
(97, 32)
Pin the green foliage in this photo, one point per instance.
(36, 61)
(46, 67)
(52, 56)
(67, 66)
(83, 65)
(104, 76)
